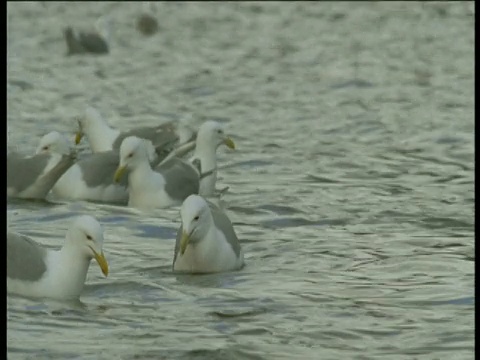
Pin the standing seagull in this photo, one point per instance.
(206, 241)
(34, 270)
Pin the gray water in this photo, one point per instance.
(351, 189)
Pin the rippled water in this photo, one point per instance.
(352, 188)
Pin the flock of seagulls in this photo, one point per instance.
(144, 168)
(169, 164)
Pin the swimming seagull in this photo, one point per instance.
(54, 142)
(32, 177)
(172, 181)
(92, 42)
(211, 135)
(34, 270)
(206, 241)
(91, 178)
(102, 137)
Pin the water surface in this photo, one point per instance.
(352, 188)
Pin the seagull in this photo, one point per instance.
(172, 181)
(206, 241)
(211, 135)
(36, 271)
(96, 42)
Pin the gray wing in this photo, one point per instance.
(98, 169)
(23, 172)
(163, 151)
(158, 135)
(177, 244)
(181, 178)
(177, 151)
(25, 258)
(93, 43)
(222, 222)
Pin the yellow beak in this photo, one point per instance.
(119, 173)
(78, 137)
(229, 142)
(102, 261)
(184, 242)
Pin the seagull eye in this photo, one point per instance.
(45, 148)
(89, 237)
(196, 218)
(130, 155)
(219, 131)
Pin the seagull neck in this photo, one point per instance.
(140, 173)
(101, 136)
(208, 166)
(207, 156)
(72, 268)
(73, 259)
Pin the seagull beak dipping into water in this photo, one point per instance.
(79, 133)
(36, 271)
(206, 241)
(98, 132)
